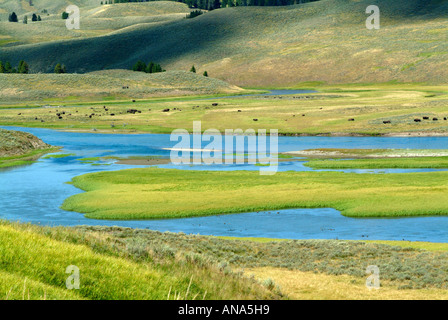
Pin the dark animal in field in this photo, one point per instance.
(386, 121)
(112, 114)
(165, 110)
(239, 110)
(133, 111)
(425, 118)
(19, 114)
(435, 119)
(303, 115)
(418, 120)
(60, 117)
(444, 118)
(255, 119)
(351, 119)
(133, 100)
(214, 104)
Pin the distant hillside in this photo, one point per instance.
(272, 46)
(96, 20)
(34, 87)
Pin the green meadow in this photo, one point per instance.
(326, 112)
(153, 193)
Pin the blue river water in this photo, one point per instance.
(35, 193)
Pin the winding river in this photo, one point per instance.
(34, 193)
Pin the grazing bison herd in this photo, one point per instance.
(62, 114)
(415, 119)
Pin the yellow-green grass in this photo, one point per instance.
(153, 193)
(35, 259)
(300, 285)
(391, 163)
(58, 156)
(337, 153)
(430, 246)
(326, 113)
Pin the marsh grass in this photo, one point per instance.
(154, 193)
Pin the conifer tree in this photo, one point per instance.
(13, 17)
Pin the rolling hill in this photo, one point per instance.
(123, 84)
(267, 46)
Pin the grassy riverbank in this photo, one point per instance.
(153, 193)
(20, 148)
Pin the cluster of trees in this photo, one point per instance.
(148, 68)
(216, 4)
(13, 18)
(193, 69)
(7, 67)
(60, 68)
(194, 13)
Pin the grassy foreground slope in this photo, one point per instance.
(273, 46)
(153, 193)
(34, 262)
(123, 263)
(340, 265)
